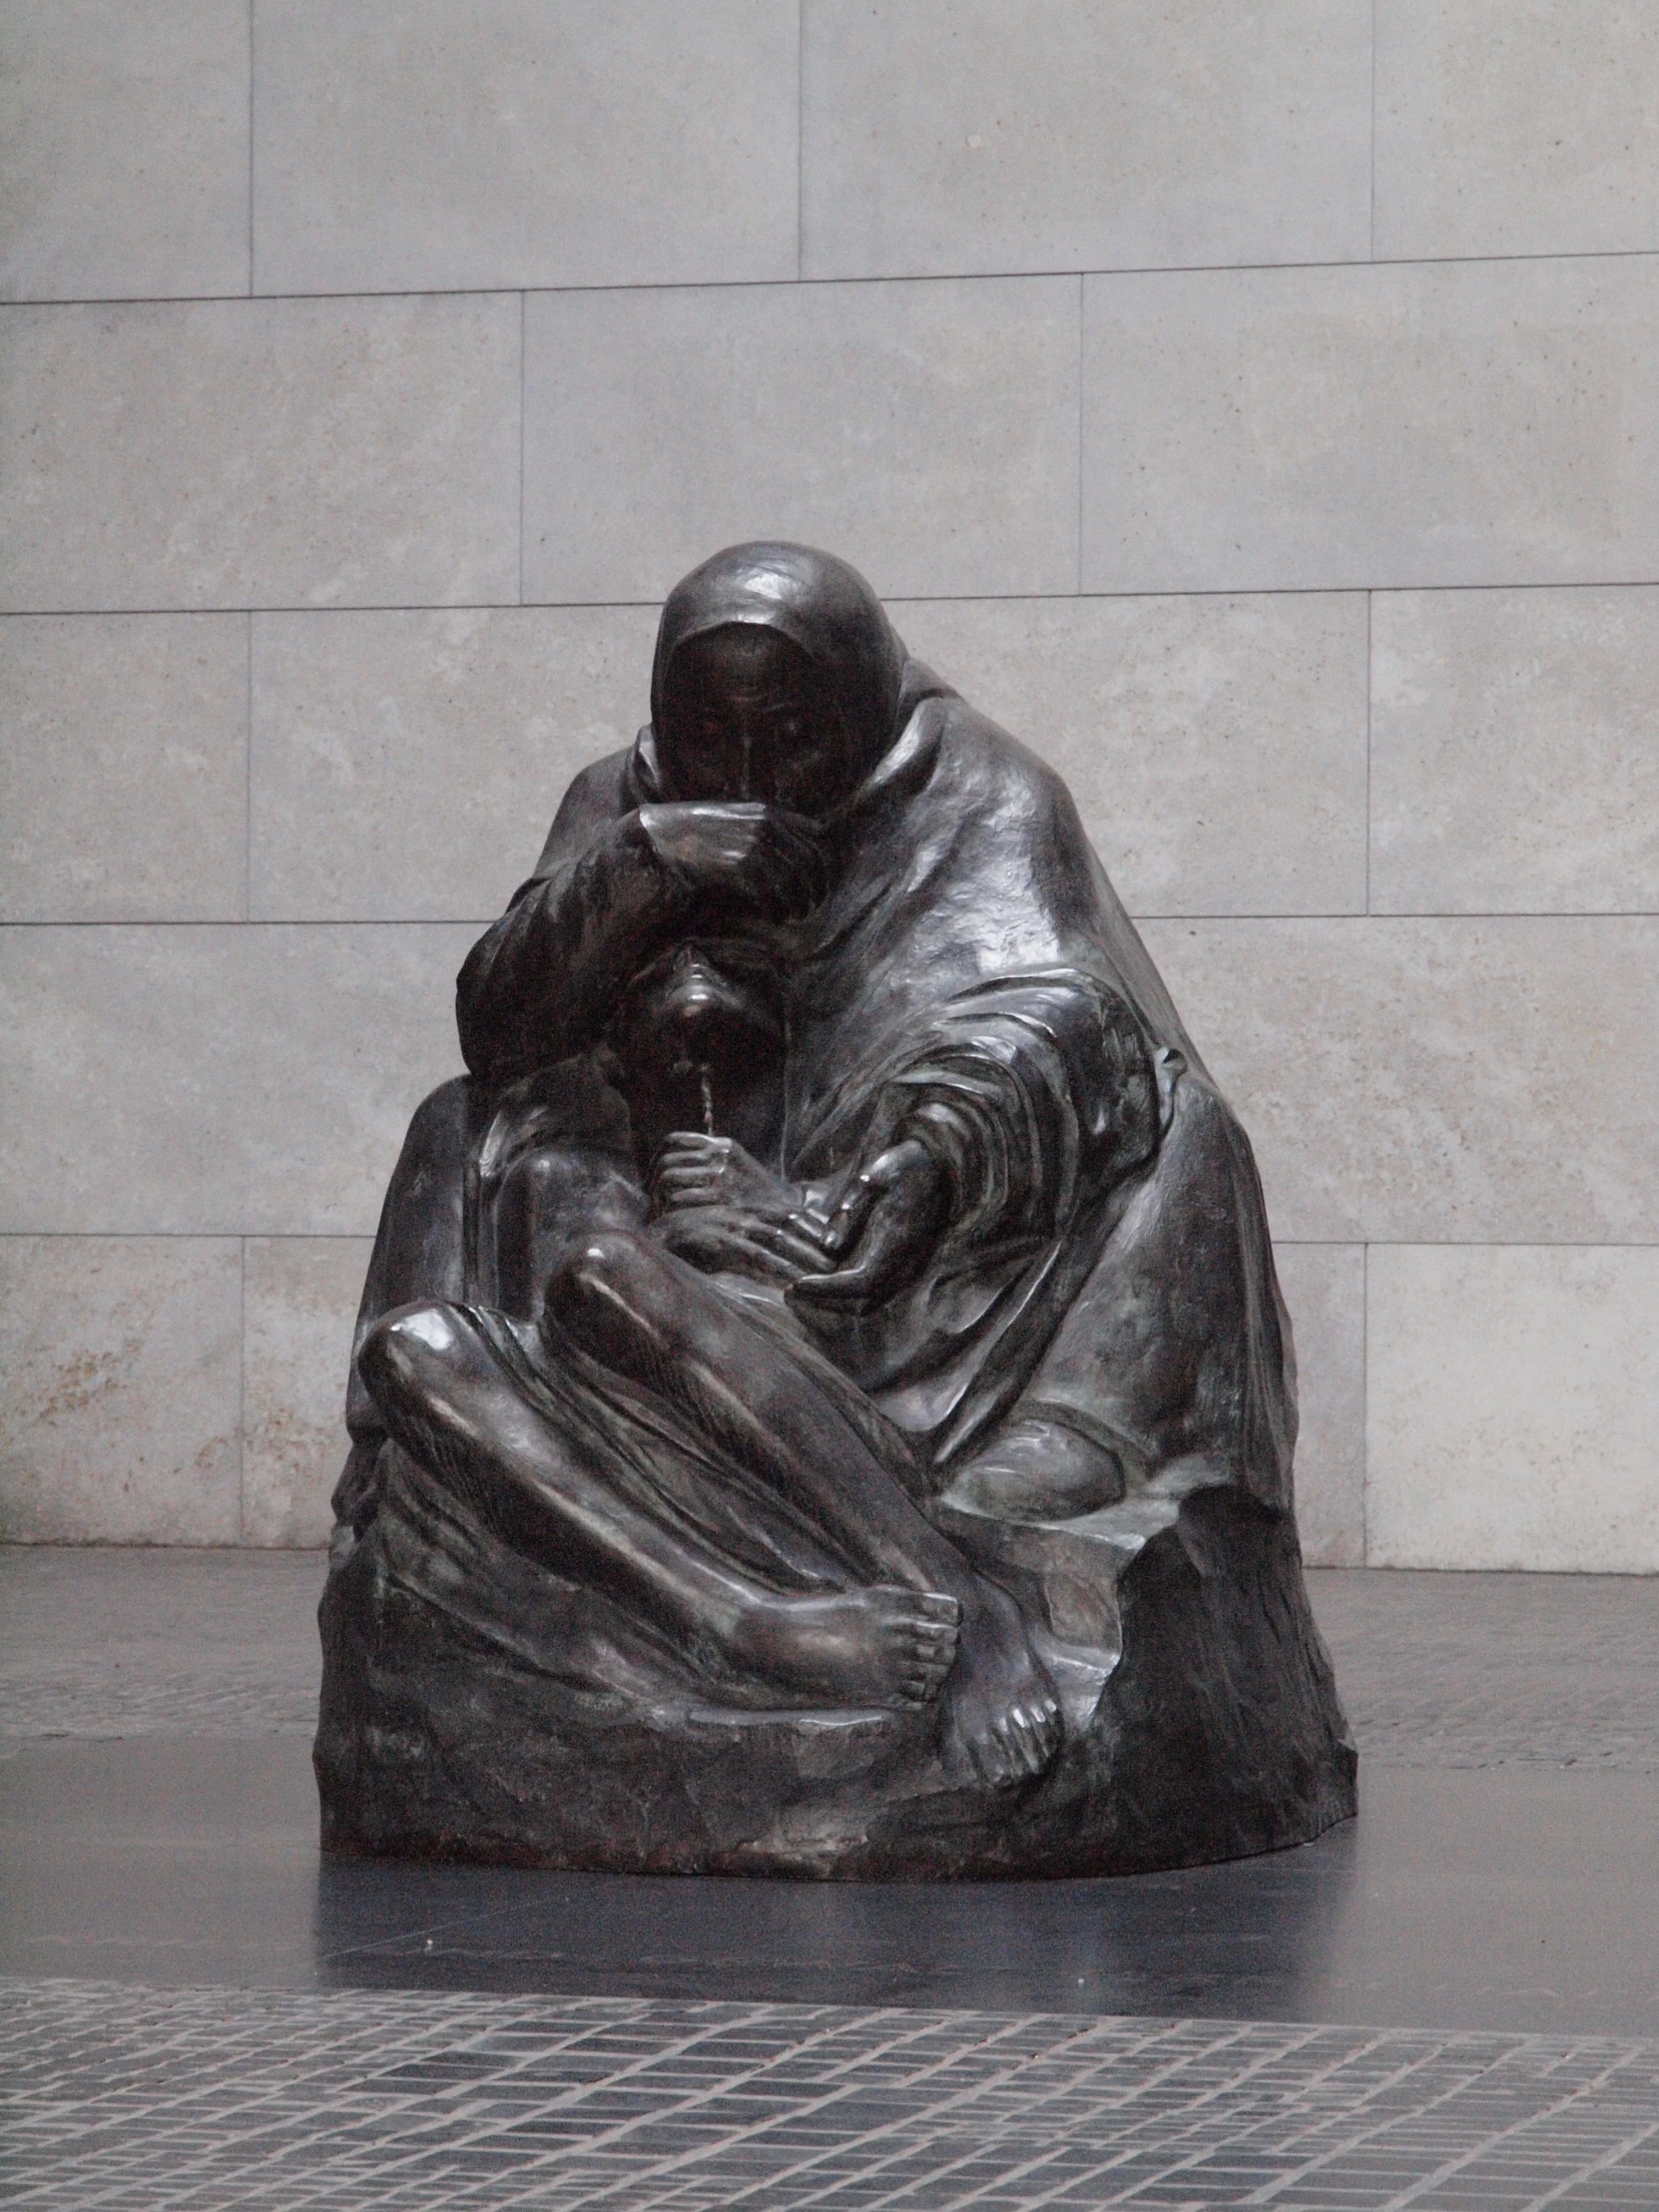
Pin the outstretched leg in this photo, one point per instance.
(647, 1316)
(445, 1399)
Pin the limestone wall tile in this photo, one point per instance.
(1484, 422)
(1454, 1081)
(1216, 748)
(408, 765)
(123, 768)
(209, 1080)
(1324, 1290)
(301, 1300)
(1513, 1401)
(523, 141)
(941, 137)
(1515, 752)
(121, 1358)
(235, 454)
(122, 149)
(1528, 127)
(927, 433)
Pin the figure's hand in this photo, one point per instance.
(769, 860)
(726, 1240)
(889, 1225)
(694, 1170)
(718, 1208)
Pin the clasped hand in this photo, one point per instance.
(771, 861)
(720, 1209)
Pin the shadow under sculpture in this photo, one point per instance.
(821, 1403)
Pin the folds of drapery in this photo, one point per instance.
(1038, 1095)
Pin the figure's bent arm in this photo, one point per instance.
(541, 983)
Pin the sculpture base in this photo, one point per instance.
(1215, 1734)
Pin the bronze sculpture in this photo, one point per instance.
(821, 1401)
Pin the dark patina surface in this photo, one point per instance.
(821, 1403)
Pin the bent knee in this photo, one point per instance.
(599, 1272)
(406, 1350)
(599, 1262)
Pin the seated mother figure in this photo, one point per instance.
(832, 1173)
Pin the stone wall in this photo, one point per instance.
(1257, 409)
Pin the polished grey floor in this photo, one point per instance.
(1454, 1999)
(1510, 1898)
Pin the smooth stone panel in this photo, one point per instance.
(119, 1420)
(1515, 752)
(407, 766)
(123, 771)
(1216, 748)
(1445, 1081)
(301, 1301)
(122, 149)
(925, 432)
(941, 137)
(431, 146)
(1513, 1404)
(217, 1080)
(1526, 127)
(1492, 422)
(288, 452)
(1325, 1288)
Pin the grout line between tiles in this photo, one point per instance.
(1280, 1243)
(800, 138)
(1373, 208)
(242, 1389)
(1368, 681)
(1124, 271)
(1082, 291)
(482, 920)
(1227, 592)
(250, 58)
(1364, 1404)
(247, 780)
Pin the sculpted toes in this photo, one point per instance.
(1021, 1741)
(938, 1606)
(1021, 1746)
(1006, 1765)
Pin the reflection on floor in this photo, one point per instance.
(205, 2014)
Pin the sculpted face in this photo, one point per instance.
(747, 719)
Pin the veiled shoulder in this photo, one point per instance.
(1001, 790)
(978, 755)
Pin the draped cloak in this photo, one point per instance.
(970, 975)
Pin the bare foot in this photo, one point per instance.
(882, 1646)
(1003, 1719)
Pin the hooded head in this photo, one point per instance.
(777, 677)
